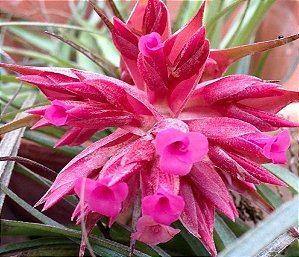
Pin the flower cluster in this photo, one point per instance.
(182, 140)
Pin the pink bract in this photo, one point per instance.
(185, 135)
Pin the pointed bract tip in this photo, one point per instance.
(101, 14)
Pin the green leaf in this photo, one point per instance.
(12, 114)
(215, 18)
(43, 25)
(34, 39)
(251, 243)
(34, 212)
(261, 64)
(9, 146)
(272, 198)
(8, 78)
(24, 121)
(35, 243)
(293, 250)
(108, 50)
(251, 21)
(71, 199)
(49, 142)
(32, 175)
(178, 23)
(47, 58)
(238, 227)
(189, 10)
(224, 234)
(193, 242)
(285, 175)
(21, 228)
(9, 227)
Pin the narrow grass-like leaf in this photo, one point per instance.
(34, 39)
(224, 234)
(35, 243)
(110, 69)
(108, 50)
(47, 58)
(25, 121)
(238, 227)
(178, 23)
(252, 19)
(212, 20)
(25, 228)
(272, 198)
(8, 78)
(115, 9)
(44, 25)
(32, 175)
(34, 212)
(193, 242)
(9, 146)
(253, 242)
(49, 142)
(21, 228)
(259, 68)
(285, 175)
(293, 249)
(102, 15)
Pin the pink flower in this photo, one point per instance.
(56, 114)
(275, 147)
(153, 233)
(178, 150)
(151, 44)
(182, 140)
(100, 197)
(163, 207)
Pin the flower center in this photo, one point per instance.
(180, 146)
(156, 228)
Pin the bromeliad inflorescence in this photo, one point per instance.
(185, 135)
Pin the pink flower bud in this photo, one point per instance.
(150, 44)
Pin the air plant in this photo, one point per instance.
(185, 134)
